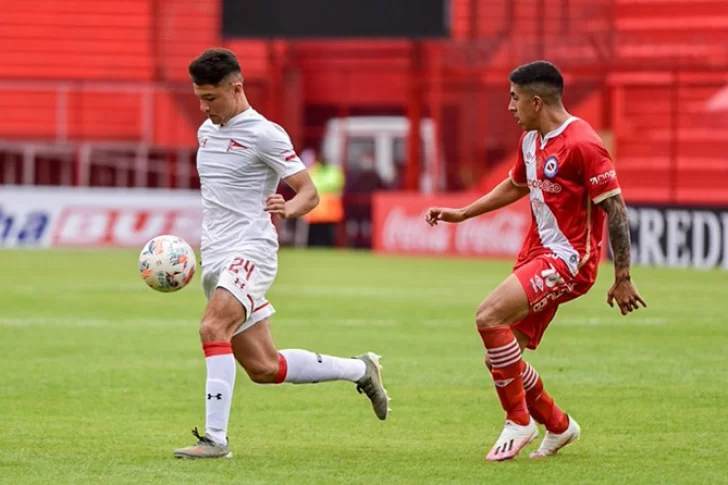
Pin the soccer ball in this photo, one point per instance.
(167, 263)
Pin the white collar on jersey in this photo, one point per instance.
(557, 131)
(242, 115)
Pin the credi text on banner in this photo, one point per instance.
(679, 237)
(399, 227)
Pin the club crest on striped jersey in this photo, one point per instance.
(551, 167)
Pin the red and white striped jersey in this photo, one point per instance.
(568, 172)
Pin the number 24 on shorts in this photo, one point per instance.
(246, 266)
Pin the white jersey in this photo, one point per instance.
(240, 163)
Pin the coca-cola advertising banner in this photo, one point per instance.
(399, 227)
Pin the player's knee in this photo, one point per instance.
(219, 324)
(208, 332)
(214, 330)
(263, 372)
(488, 314)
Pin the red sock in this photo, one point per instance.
(505, 356)
(282, 369)
(542, 406)
(211, 349)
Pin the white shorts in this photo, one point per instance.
(248, 279)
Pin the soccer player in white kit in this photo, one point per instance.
(241, 159)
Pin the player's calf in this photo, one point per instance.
(304, 367)
(255, 351)
(503, 358)
(540, 404)
(221, 316)
(266, 371)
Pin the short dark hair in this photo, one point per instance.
(541, 77)
(213, 65)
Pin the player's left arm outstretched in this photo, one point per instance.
(623, 291)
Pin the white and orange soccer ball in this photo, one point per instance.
(167, 263)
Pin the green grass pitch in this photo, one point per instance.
(102, 377)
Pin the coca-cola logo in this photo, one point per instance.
(545, 185)
(502, 233)
(409, 232)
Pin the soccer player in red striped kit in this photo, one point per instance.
(572, 186)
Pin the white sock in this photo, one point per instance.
(305, 367)
(219, 390)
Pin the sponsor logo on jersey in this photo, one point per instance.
(603, 178)
(545, 185)
(552, 296)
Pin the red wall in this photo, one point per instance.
(117, 71)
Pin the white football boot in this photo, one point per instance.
(512, 440)
(553, 442)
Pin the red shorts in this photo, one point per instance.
(548, 283)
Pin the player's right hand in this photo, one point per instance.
(625, 294)
(435, 214)
(276, 204)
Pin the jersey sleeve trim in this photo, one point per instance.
(513, 180)
(294, 170)
(604, 196)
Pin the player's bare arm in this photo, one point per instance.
(623, 291)
(504, 194)
(305, 200)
